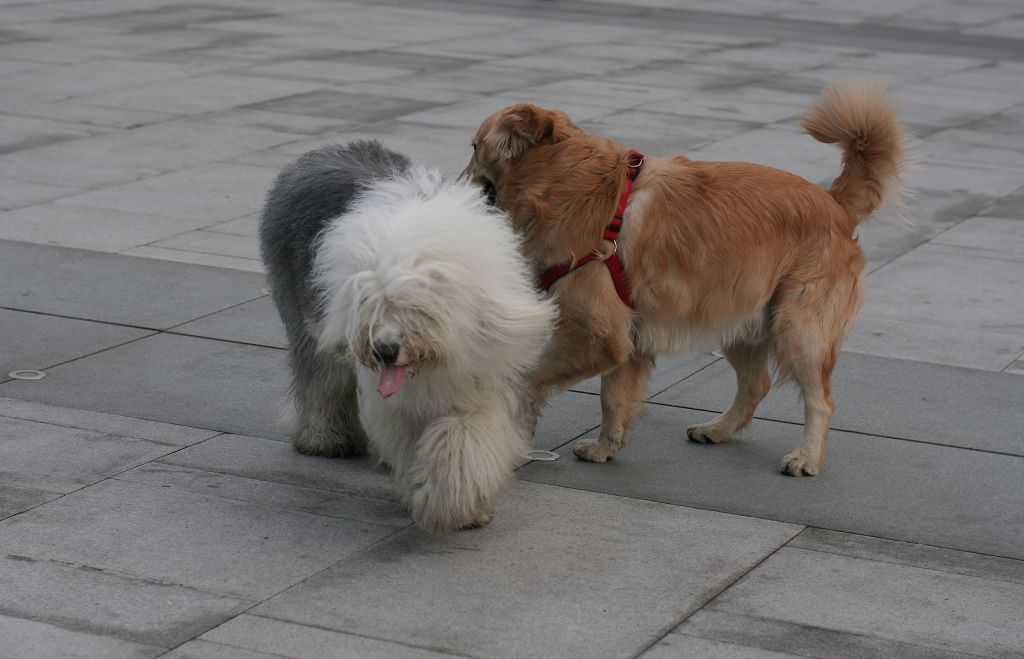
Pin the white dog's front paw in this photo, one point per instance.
(483, 519)
(437, 512)
(594, 450)
(798, 463)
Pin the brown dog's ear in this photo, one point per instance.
(522, 126)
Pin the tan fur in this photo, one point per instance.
(748, 257)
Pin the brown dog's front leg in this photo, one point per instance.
(622, 394)
(570, 357)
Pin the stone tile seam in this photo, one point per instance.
(89, 320)
(916, 566)
(213, 313)
(847, 431)
(222, 645)
(715, 595)
(203, 229)
(154, 330)
(222, 340)
(264, 616)
(830, 630)
(299, 582)
(5, 380)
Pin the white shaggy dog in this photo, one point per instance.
(420, 287)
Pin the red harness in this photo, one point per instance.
(611, 233)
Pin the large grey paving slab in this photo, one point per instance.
(945, 288)
(101, 229)
(27, 638)
(291, 640)
(355, 487)
(782, 146)
(117, 289)
(207, 194)
(571, 572)
(254, 322)
(109, 604)
(924, 214)
(175, 379)
(191, 538)
(992, 179)
(61, 459)
(912, 605)
(894, 397)
(37, 341)
(128, 155)
(870, 485)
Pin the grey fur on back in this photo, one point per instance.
(306, 197)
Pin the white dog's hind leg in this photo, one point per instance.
(462, 463)
(327, 411)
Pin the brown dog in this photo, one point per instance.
(751, 258)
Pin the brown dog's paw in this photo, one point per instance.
(706, 433)
(798, 464)
(593, 450)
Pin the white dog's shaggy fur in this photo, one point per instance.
(425, 266)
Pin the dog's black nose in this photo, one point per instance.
(387, 353)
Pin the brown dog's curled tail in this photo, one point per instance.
(861, 119)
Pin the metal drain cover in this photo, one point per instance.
(542, 456)
(26, 374)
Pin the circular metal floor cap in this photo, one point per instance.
(26, 374)
(542, 456)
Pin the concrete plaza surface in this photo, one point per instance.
(149, 505)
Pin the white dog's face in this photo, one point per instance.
(421, 275)
(396, 340)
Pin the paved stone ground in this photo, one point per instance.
(149, 505)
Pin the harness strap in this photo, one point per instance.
(611, 233)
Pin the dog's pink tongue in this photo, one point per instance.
(390, 380)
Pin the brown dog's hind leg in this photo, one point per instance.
(622, 394)
(816, 392)
(750, 362)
